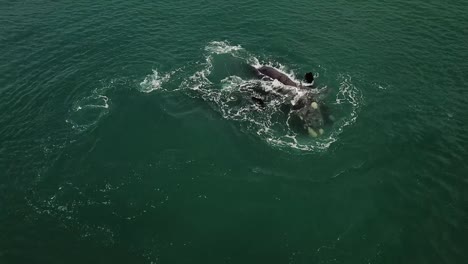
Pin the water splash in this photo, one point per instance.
(230, 94)
(222, 47)
(154, 81)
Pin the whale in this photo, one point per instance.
(268, 72)
(305, 103)
(276, 75)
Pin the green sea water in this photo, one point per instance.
(124, 137)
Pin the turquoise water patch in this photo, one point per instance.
(128, 133)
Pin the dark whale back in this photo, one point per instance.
(275, 74)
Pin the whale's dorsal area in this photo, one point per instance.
(277, 75)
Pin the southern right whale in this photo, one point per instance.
(283, 78)
(304, 103)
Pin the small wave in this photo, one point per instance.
(154, 81)
(381, 86)
(349, 100)
(349, 94)
(221, 47)
(87, 111)
(59, 206)
(199, 79)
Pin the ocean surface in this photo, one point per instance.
(126, 135)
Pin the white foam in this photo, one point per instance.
(348, 94)
(93, 101)
(221, 47)
(154, 81)
(87, 111)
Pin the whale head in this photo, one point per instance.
(309, 111)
